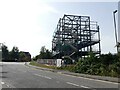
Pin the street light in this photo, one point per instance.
(115, 29)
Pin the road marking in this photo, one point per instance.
(84, 86)
(59, 72)
(22, 71)
(92, 79)
(13, 72)
(98, 80)
(72, 84)
(8, 86)
(5, 84)
(43, 76)
(2, 82)
(33, 68)
(58, 81)
(47, 77)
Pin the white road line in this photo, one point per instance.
(72, 84)
(2, 83)
(92, 79)
(32, 68)
(47, 77)
(84, 86)
(8, 86)
(98, 80)
(37, 75)
(58, 81)
(42, 76)
(13, 72)
(23, 71)
(59, 72)
(5, 84)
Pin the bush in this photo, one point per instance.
(105, 65)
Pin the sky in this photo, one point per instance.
(29, 24)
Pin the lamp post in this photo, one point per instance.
(115, 29)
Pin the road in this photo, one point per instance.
(18, 75)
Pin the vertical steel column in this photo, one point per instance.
(99, 40)
(90, 34)
(81, 40)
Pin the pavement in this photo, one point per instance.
(18, 75)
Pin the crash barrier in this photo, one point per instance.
(56, 62)
(47, 61)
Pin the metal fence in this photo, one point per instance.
(47, 61)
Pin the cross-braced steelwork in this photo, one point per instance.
(76, 36)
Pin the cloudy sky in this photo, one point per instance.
(29, 24)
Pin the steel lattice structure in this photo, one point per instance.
(75, 36)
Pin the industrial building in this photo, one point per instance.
(75, 37)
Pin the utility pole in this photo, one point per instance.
(115, 29)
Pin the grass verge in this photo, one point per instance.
(66, 68)
(42, 65)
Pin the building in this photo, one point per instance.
(75, 37)
(24, 56)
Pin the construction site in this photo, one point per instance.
(75, 37)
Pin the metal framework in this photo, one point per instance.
(76, 36)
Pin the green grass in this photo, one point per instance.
(42, 65)
(67, 68)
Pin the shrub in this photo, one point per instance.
(105, 65)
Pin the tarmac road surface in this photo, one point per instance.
(18, 75)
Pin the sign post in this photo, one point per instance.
(119, 26)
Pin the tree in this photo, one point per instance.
(14, 54)
(48, 54)
(5, 53)
(44, 53)
(43, 49)
(21, 56)
(107, 59)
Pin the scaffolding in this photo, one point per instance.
(75, 37)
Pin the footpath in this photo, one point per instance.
(104, 78)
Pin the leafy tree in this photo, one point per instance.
(43, 49)
(107, 59)
(14, 54)
(104, 65)
(5, 53)
(48, 54)
(44, 53)
(36, 57)
(21, 56)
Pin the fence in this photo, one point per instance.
(47, 61)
